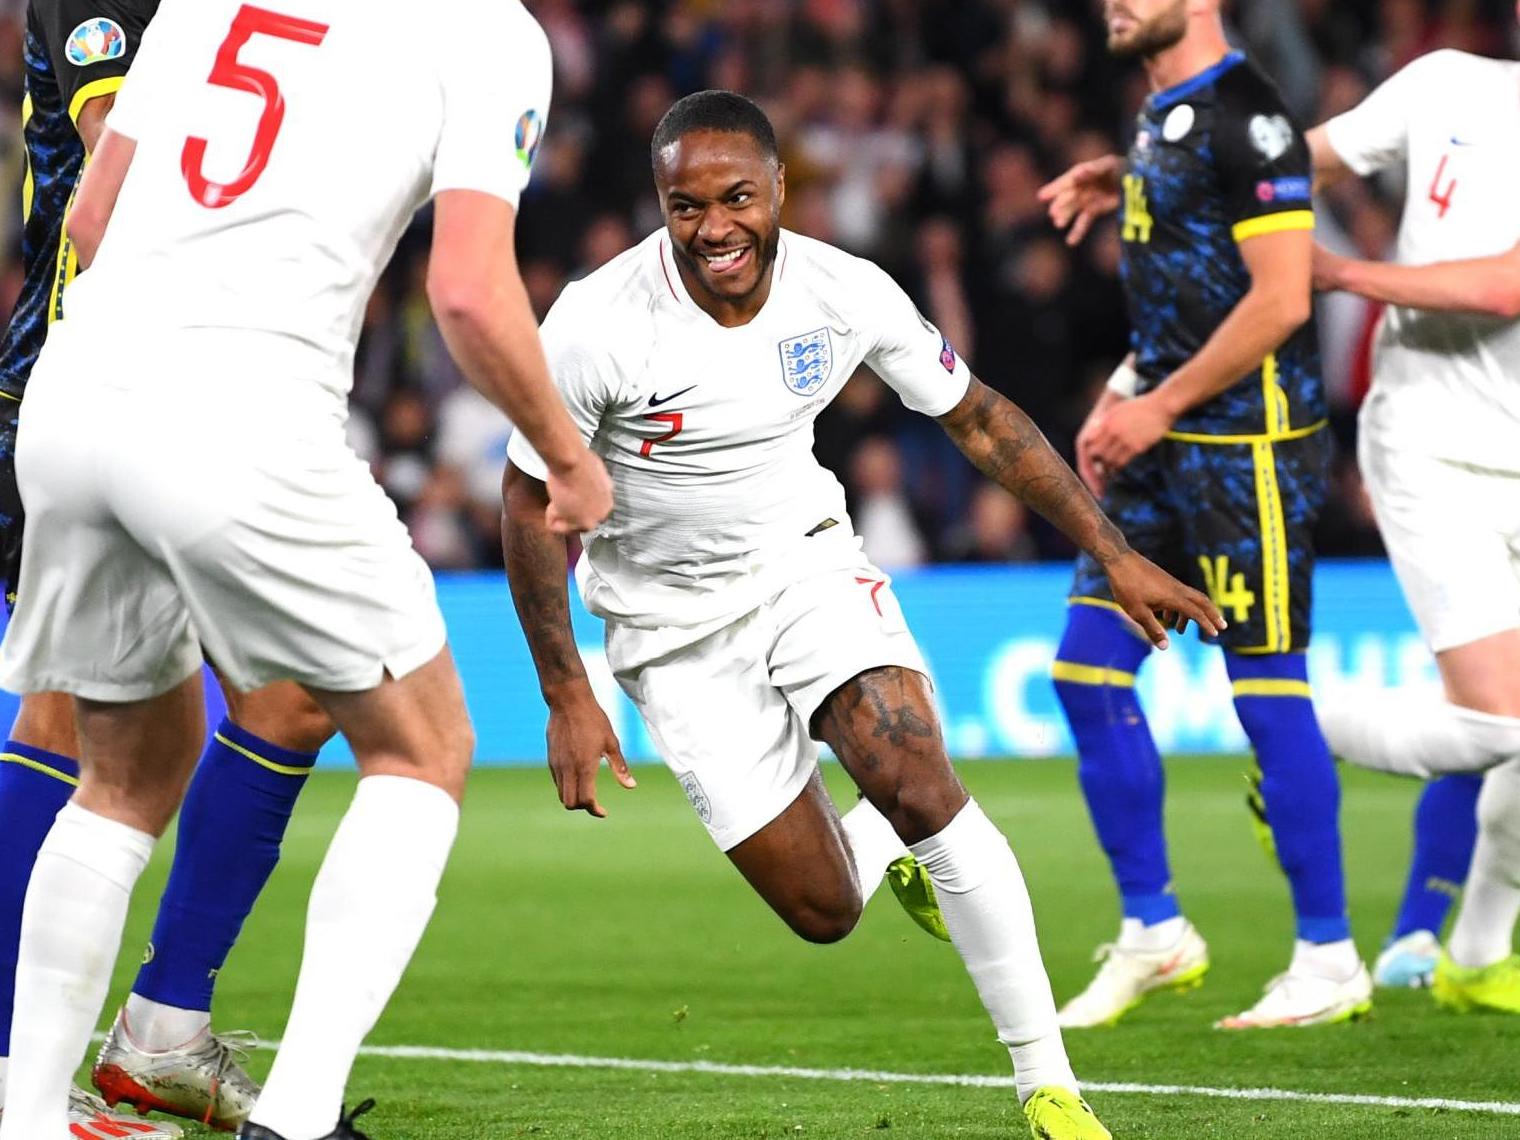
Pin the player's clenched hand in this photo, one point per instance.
(580, 738)
(1084, 194)
(1094, 471)
(1128, 429)
(580, 496)
(1156, 602)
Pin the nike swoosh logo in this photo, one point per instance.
(655, 401)
(1460, 142)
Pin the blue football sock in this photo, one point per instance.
(1299, 786)
(1445, 830)
(230, 831)
(1117, 762)
(34, 786)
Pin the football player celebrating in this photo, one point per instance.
(742, 618)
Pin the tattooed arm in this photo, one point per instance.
(1004, 444)
(580, 735)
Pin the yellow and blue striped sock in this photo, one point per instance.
(34, 786)
(1118, 764)
(1299, 786)
(230, 831)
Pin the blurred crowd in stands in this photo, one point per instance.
(915, 133)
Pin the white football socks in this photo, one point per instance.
(986, 907)
(5, 1064)
(873, 845)
(1337, 961)
(1484, 931)
(371, 902)
(71, 929)
(1414, 732)
(157, 1028)
(1136, 936)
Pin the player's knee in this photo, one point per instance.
(922, 801)
(283, 714)
(825, 920)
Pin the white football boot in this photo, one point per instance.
(1127, 976)
(1299, 999)
(90, 1119)
(1408, 963)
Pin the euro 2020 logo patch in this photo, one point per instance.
(807, 361)
(96, 41)
(530, 132)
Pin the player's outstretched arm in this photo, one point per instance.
(1486, 286)
(1003, 442)
(580, 735)
(1086, 193)
(483, 312)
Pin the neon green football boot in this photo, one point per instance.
(1256, 804)
(1055, 1113)
(1465, 989)
(910, 883)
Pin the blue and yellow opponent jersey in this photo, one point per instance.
(76, 50)
(1216, 161)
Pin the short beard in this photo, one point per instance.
(765, 252)
(1151, 39)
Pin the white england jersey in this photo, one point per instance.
(1447, 384)
(280, 154)
(708, 431)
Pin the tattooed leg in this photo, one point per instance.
(882, 726)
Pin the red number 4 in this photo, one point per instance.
(228, 72)
(1440, 197)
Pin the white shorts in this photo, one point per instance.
(1453, 536)
(215, 502)
(730, 707)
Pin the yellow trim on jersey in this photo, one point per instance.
(282, 769)
(1270, 687)
(1272, 224)
(1274, 400)
(28, 187)
(38, 766)
(66, 267)
(1263, 437)
(1275, 582)
(1091, 675)
(95, 89)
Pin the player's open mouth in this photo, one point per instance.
(726, 261)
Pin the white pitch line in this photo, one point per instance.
(873, 1076)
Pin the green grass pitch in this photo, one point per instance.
(632, 938)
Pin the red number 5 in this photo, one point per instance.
(228, 72)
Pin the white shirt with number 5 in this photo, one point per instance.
(281, 153)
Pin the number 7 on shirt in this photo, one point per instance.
(227, 71)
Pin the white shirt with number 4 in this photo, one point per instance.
(708, 431)
(282, 149)
(1446, 384)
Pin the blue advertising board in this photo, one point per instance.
(989, 634)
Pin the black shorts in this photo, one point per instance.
(1233, 519)
(12, 518)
